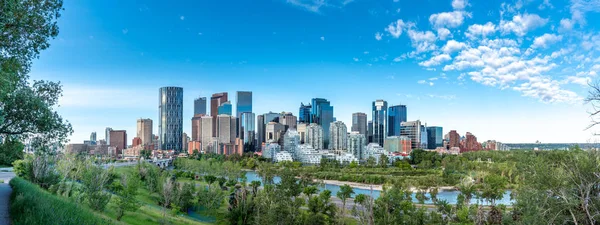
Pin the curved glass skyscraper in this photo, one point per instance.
(379, 117)
(170, 118)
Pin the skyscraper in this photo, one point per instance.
(225, 129)
(288, 120)
(424, 139)
(144, 131)
(435, 137)
(379, 121)
(301, 129)
(291, 141)
(396, 115)
(197, 127)
(225, 109)
(322, 114)
(215, 101)
(453, 139)
(107, 134)
(247, 128)
(359, 123)
(314, 136)
(339, 136)
(412, 129)
(118, 139)
(243, 103)
(369, 136)
(274, 132)
(356, 144)
(93, 137)
(304, 113)
(260, 130)
(206, 135)
(200, 106)
(170, 114)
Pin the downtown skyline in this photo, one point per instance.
(111, 69)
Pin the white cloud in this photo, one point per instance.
(459, 4)
(396, 28)
(421, 82)
(399, 58)
(521, 24)
(545, 40)
(453, 46)
(583, 81)
(355, 59)
(443, 33)
(366, 52)
(182, 17)
(422, 41)
(447, 19)
(378, 36)
(580, 7)
(316, 5)
(477, 30)
(322, 38)
(436, 60)
(547, 90)
(444, 97)
(565, 25)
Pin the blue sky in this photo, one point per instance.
(513, 71)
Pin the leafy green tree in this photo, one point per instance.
(494, 187)
(363, 209)
(95, 179)
(241, 207)
(344, 193)
(126, 195)
(320, 209)
(210, 198)
(433, 192)
(371, 162)
(186, 196)
(11, 150)
(210, 179)
(255, 184)
(383, 161)
(310, 190)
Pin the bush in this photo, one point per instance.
(29, 204)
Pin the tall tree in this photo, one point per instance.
(344, 193)
(126, 193)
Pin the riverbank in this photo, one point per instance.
(378, 187)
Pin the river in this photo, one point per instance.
(449, 196)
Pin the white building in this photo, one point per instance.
(283, 156)
(346, 158)
(302, 132)
(314, 136)
(338, 133)
(356, 144)
(271, 149)
(308, 155)
(375, 151)
(291, 141)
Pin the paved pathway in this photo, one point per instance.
(5, 192)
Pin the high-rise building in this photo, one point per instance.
(271, 117)
(118, 139)
(93, 137)
(453, 139)
(424, 140)
(215, 101)
(396, 115)
(260, 130)
(226, 129)
(288, 120)
(304, 113)
(247, 128)
(196, 127)
(359, 123)
(243, 103)
(170, 122)
(274, 132)
(412, 129)
(205, 134)
(339, 136)
(400, 144)
(322, 114)
(369, 131)
(379, 121)
(356, 144)
(302, 132)
(470, 143)
(435, 137)
(184, 140)
(200, 106)
(314, 136)
(225, 109)
(107, 134)
(291, 141)
(144, 131)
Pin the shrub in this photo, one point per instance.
(29, 204)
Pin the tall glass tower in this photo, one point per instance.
(435, 137)
(243, 104)
(396, 115)
(170, 114)
(247, 130)
(224, 109)
(322, 113)
(200, 106)
(379, 117)
(304, 113)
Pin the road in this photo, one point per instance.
(5, 192)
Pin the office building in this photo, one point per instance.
(470, 143)
(118, 139)
(435, 137)
(225, 109)
(396, 115)
(412, 129)
(243, 103)
(225, 129)
(170, 123)
(274, 132)
(107, 134)
(184, 140)
(144, 131)
(359, 123)
(260, 130)
(369, 131)
(288, 120)
(453, 139)
(196, 127)
(93, 137)
(200, 106)
(339, 136)
(205, 135)
(379, 121)
(136, 142)
(424, 140)
(247, 129)
(322, 114)
(356, 144)
(301, 128)
(215, 101)
(314, 136)
(398, 144)
(291, 141)
(304, 113)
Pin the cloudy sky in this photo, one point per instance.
(513, 71)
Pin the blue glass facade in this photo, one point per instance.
(435, 137)
(322, 113)
(225, 109)
(243, 103)
(396, 115)
(247, 127)
(424, 136)
(379, 117)
(170, 114)
(304, 113)
(200, 106)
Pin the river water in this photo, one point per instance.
(449, 196)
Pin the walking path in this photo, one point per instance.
(5, 192)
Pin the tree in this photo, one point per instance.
(10, 150)
(255, 184)
(467, 189)
(126, 195)
(371, 162)
(344, 193)
(309, 191)
(364, 214)
(210, 179)
(383, 161)
(95, 179)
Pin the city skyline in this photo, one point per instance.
(350, 53)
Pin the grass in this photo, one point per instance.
(29, 204)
